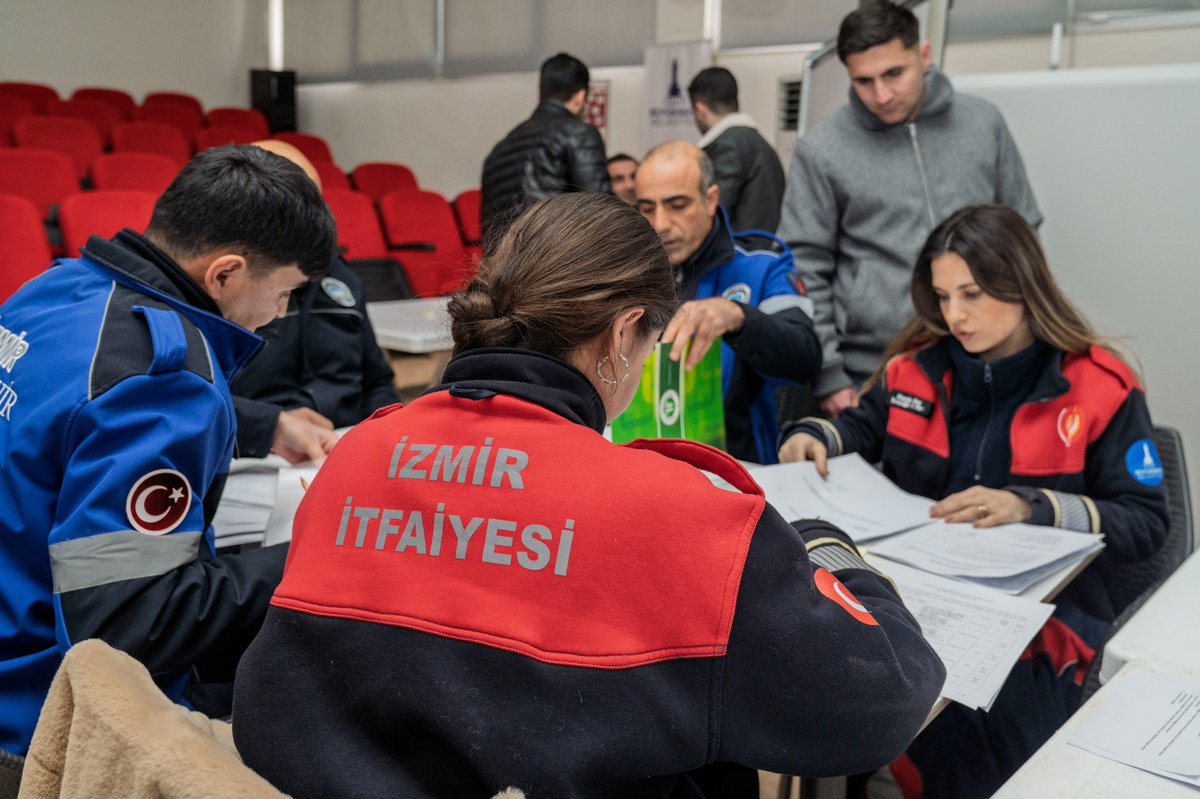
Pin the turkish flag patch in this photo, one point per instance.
(158, 502)
(831, 588)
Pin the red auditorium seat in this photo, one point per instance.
(102, 115)
(314, 147)
(187, 120)
(245, 118)
(332, 176)
(12, 108)
(38, 94)
(468, 210)
(357, 224)
(219, 137)
(377, 178)
(152, 137)
(104, 214)
(420, 230)
(121, 102)
(75, 138)
(175, 100)
(138, 171)
(43, 177)
(24, 253)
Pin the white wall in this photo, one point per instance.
(1112, 157)
(202, 48)
(444, 127)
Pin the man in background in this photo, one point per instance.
(747, 167)
(621, 169)
(320, 367)
(745, 298)
(552, 152)
(868, 185)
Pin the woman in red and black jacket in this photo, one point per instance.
(1000, 401)
(482, 591)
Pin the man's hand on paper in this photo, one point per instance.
(303, 435)
(803, 447)
(984, 507)
(707, 320)
(833, 405)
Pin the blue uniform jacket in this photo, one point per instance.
(775, 347)
(116, 433)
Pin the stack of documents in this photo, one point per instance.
(246, 502)
(1147, 717)
(260, 499)
(978, 633)
(856, 497)
(1009, 558)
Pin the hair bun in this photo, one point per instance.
(474, 322)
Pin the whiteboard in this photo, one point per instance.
(1114, 158)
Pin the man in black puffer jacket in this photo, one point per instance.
(552, 152)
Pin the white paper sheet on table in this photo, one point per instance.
(1150, 720)
(260, 497)
(856, 497)
(1009, 558)
(978, 633)
(289, 490)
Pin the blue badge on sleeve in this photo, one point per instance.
(738, 292)
(338, 291)
(1143, 463)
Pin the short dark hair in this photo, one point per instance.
(876, 22)
(621, 157)
(245, 198)
(561, 77)
(716, 88)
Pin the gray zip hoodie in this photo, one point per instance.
(862, 196)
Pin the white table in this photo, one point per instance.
(413, 326)
(1165, 629)
(1060, 770)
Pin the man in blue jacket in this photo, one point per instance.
(748, 298)
(117, 443)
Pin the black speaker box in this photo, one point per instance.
(273, 92)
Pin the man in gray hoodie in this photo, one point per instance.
(867, 186)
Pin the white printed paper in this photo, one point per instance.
(978, 633)
(1008, 558)
(1149, 720)
(855, 497)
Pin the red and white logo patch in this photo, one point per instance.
(158, 502)
(1070, 424)
(832, 588)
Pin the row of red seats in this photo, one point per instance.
(25, 251)
(436, 242)
(93, 120)
(46, 177)
(416, 228)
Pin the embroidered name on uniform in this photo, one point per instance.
(907, 402)
(12, 347)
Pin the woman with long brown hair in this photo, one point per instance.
(1002, 403)
(482, 591)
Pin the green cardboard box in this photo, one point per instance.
(672, 403)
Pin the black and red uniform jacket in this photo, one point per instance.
(483, 592)
(1078, 443)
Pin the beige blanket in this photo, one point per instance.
(107, 730)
